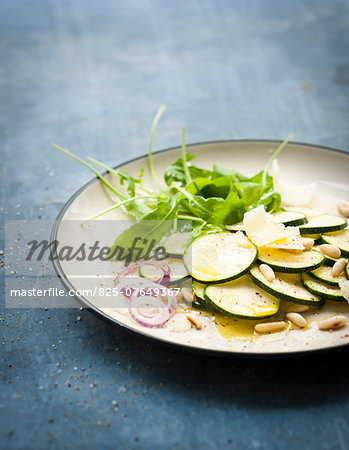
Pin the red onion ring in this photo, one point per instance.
(150, 311)
(147, 310)
(164, 280)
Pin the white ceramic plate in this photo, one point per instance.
(302, 164)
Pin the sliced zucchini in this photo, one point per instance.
(290, 218)
(286, 286)
(323, 274)
(202, 307)
(176, 244)
(219, 257)
(340, 240)
(200, 300)
(178, 272)
(329, 261)
(325, 223)
(286, 262)
(347, 270)
(322, 290)
(198, 289)
(241, 298)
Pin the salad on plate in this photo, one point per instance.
(253, 255)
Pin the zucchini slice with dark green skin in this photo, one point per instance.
(347, 270)
(329, 261)
(322, 290)
(241, 298)
(219, 257)
(324, 275)
(290, 218)
(198, 289)
(201, 307)
(326, 223)
(287, 262)
(286, 286)
(340, 240)
(178, 272)
(200, 301)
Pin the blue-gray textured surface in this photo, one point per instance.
(90, 76)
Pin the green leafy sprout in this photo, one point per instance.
(210, 199)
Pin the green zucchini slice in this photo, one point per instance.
(322, 290)
(329, 261)
(325, 223)
(286, 262)
(286, 286)
(200, 301)
(323, 274)
(241, 298)
(178, 272)
(198, 289)
(290, 218)
(201, 307)
(219, 257)
(340, 240)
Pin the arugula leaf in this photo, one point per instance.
(153, 226)
(219, 187)
(175, 172)
(210, 198)
(117, 205)
(130, 180)
(271, 201)
(269, 198)
(235, 176)
(250, 192)
(215, 210)
(136, 209)
(105, 182)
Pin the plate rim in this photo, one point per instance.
(159, 340)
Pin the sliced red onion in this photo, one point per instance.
(164, 280)
(147, 310)
(132, 286)
(150, 311)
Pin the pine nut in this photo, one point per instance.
(297, 319)
(343, 208)
(332, 323)
(187, 294)
(267, 272)
(266, 327)
(196, 322)
(330, 250)
(297, 308)
(307, 243)
(338, 267)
